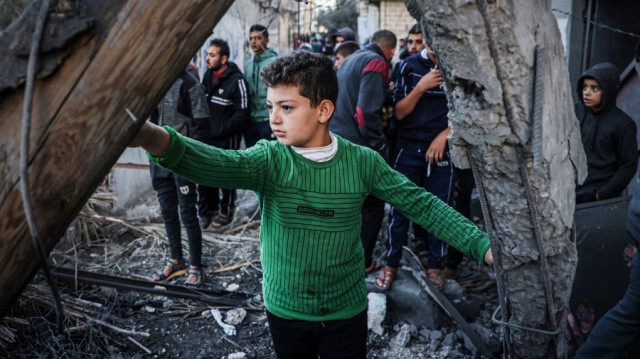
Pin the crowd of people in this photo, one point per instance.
(332, 132)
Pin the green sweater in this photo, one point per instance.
(312, 257)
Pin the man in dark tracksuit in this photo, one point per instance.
(363, 80)
(608, 135)
(421, 154)
(229, 105)
(183, 108)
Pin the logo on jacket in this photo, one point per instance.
(220, 91)
(316, 212)
(184, 190)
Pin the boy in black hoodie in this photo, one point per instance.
(608, 135)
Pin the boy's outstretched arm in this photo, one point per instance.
(153, 138)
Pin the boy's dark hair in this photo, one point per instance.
(310, 72)
(261, 28)
(347, 48)
(415, 30)
(222, 45)
(384, 38)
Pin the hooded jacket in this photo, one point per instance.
(257, 90)
(362, 83)
(346, 32)
(608, 138)
(229, 106)
(183, 108)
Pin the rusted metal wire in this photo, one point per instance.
(524, 175)
(24, 158)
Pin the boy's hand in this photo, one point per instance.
(153, 138)
(488, 257)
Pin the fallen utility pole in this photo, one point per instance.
(233, 299)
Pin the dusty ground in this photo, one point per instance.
(103, 322)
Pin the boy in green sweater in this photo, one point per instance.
(311, 185)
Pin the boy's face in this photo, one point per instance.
(258, 42)
(294, 122)
(591, 94)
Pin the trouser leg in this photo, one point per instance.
(620, 326)
(410, 164)
(208, 200)
(228, 201)
(167, 192)
(343, 338)
(372, 214)
(333, 339)
(187, 199)
(439, 182)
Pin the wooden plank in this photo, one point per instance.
(127, 60)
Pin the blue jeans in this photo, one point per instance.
(620, 326)
(438, 179)
(177, 193)
(333, 339)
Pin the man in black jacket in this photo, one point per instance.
(608, 135)
(227, 92)
(363, 79)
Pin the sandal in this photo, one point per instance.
(221, 220)
(386, 277)
(176, 270)
(199, 274)
(375, 265)
(435, 276)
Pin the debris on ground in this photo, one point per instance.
(105, 322)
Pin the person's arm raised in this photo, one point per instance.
(153, 138)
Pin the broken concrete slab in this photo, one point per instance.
(406, 301)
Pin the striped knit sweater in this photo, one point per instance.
(312, 257)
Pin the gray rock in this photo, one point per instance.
(452, 288)
(405, 334)
(376, 312)
(449, 340)
(235, 316)
(407, 302)
(436, 338)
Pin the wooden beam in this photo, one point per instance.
(128, 58)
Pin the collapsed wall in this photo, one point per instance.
(513, 122)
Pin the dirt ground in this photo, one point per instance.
(102, 322)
